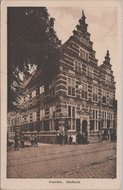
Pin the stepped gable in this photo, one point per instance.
(80, 40)
(106, 67)
(106, 63)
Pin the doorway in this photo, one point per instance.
(84, 126)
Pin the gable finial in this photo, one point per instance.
(83, 14)
(107, 53)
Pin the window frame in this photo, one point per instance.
(70, 87)
(97, 93)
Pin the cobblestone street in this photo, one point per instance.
(96, 160)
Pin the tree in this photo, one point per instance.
(32, 40)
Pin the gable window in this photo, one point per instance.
(78, 66)
(107, 79)
(71, 87)
(95, 94)
(89, 71)
(84, 55)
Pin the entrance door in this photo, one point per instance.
(84, 126)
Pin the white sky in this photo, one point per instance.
(102, 25)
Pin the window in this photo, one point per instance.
(84, 55)
(71, 117)
(37, 91)
(24, 99)
(30, 95)
(104, 97)
(95, 119)
(71, 87)
(33, 93)
(111, 98)
(71, 111)
(31, 117)
(84, 91)
(107, 79)
(94, 114)
(104, 115)
(42, 89)
(78, 66)
(89, 71)
(51, 111)
(52, 91)
(95, 94)
(25, 118)
(38, 115)
(104, 119)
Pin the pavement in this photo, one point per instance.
(96, 160)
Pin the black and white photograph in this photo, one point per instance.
(62, 93)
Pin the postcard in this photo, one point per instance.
(61, 94)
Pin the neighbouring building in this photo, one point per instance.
(82, 96)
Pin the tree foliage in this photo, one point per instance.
(32, 40)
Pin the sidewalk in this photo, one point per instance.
(28, 144)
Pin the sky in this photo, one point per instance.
(102, 25)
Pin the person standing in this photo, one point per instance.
(74, 139)
(35, 141)
(22, 141)
(32, 140)
(57, 138)
(86, 137)
(108, 134)
(16, 139)
(70, 139)
(60, 139)
(66, 139)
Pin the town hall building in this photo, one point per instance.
(80, 98)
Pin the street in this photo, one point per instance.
(97, 160)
